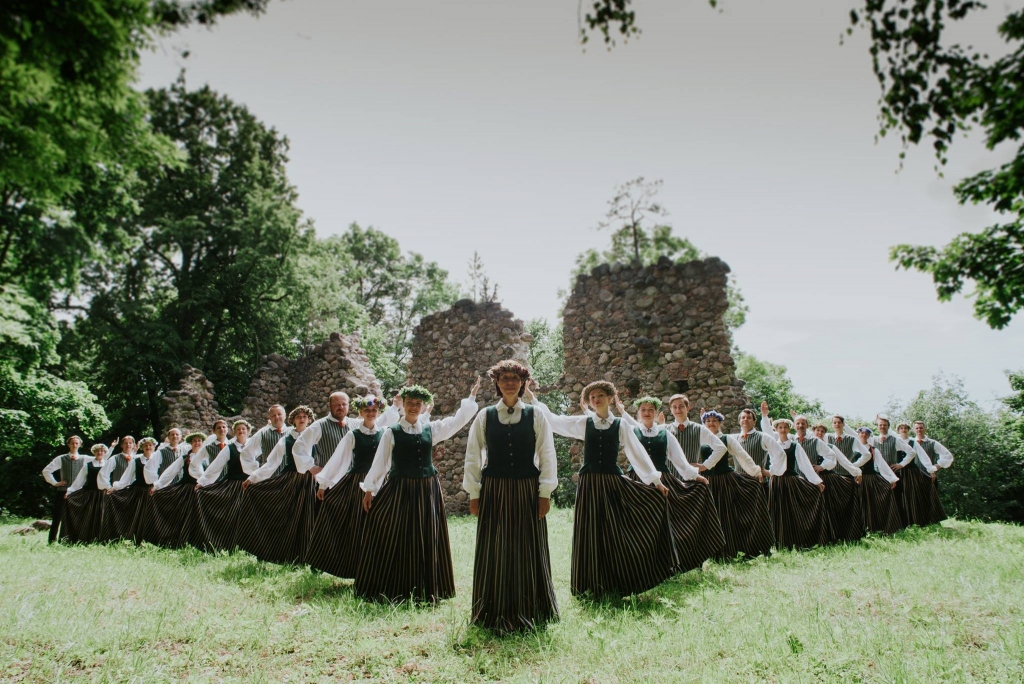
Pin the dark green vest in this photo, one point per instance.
(140, 477)
(90, 478)
(69, 469)
(121, 462)
(791, 467)
(869, 467)
(888, 448)
(601, 449)
(689, 440)
(929, 448)
(510, 448)
(656, 447)
(234, 470)
(287, 461)
(412, 455)
(364, 448)
(753, 444)
(184, 476)
(723, 463)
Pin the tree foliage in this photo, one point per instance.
(766, 381)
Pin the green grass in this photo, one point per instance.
(942, 604)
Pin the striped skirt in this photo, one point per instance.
(937, 512)
(337, 538)
(217, 505)
(915, 487)
(83, 514)
(843, 504)
(175, 516)
(622, 537)
(127, 514)
(406, 553)
(275, 518)
(881, 514)
(798, 513)
(696, 527)
(512, 587)
(743, 512)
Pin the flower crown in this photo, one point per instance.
(369, 401)
(416, 392)
(194, 435)
(653, 401)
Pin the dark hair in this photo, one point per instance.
(509, 366)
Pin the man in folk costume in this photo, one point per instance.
(83, 511)
(406, 553)
(320, 439)
(696, 527)
(166, 454)
(510, 472)
(259, 445)
(337, 538)
(276, 513)
(912, 490)
(216, 442)
(940, 456)
(846, 508)
(622, 540)
(219, 498)
(739, 496)
(68, 465)
(128, 498)
(175, 513)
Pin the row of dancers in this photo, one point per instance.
(359, 497)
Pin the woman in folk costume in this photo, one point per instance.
(622, 539)
(275, 517)
(696, 527)
(823, 459)
(337, 539)
(83, 506)
(739, 496)
(406, 553)
(175, 515)
(127, 505)
(796, 499)
(878, 484)
(940, 456)
(219, 490)
(509, 473)
(68, 466)
(912, 490)
(844, 499)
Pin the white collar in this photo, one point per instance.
(370, 431)
(406, 425)
(653, 430)
(502, 406)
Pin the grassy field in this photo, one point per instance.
(942, 604)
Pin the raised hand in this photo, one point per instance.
(661, 418)
(476, 387)
(764, 409)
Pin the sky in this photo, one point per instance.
(484, 126)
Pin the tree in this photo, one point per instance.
(766, 381)
(480, 287)
(547, 355)
(934, 88)
(204, 268)
(632, 204)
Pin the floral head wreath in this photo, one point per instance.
(97, 448)
(653, 401)
(146, 440)
(416, 392)
(865, 429)
(712, 414)
(194, 435)
(821, 425)
(301, 410)
(783, 421)
(241, 422)
(369, 401)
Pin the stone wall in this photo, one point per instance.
(450, 349)
(655, 330)
(192, 407)
(337, 364)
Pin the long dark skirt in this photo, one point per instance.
(406, 553)
(276, 517)
(512, 587)
(696, 527)
(915, 487)
(337, 538)
(127, 514)
(83, 514)
(743, 512)
(175, 516)
(881, 513)
(218, 506)
(798, 513)
(843, 504)
(937, 512)
(622, 537)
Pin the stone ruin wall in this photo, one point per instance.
(650, 330)
(450, 349)
(338, 363)
(655, 330)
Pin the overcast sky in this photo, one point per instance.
(462, 126)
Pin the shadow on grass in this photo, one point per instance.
(310, 587)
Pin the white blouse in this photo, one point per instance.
(544, 449)
(676, 456)
(80, 478)
(267, 470)
(213, 471)
(128, 476)
(195, 468)
(440, 430)
(740, 454)
(341, 460)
